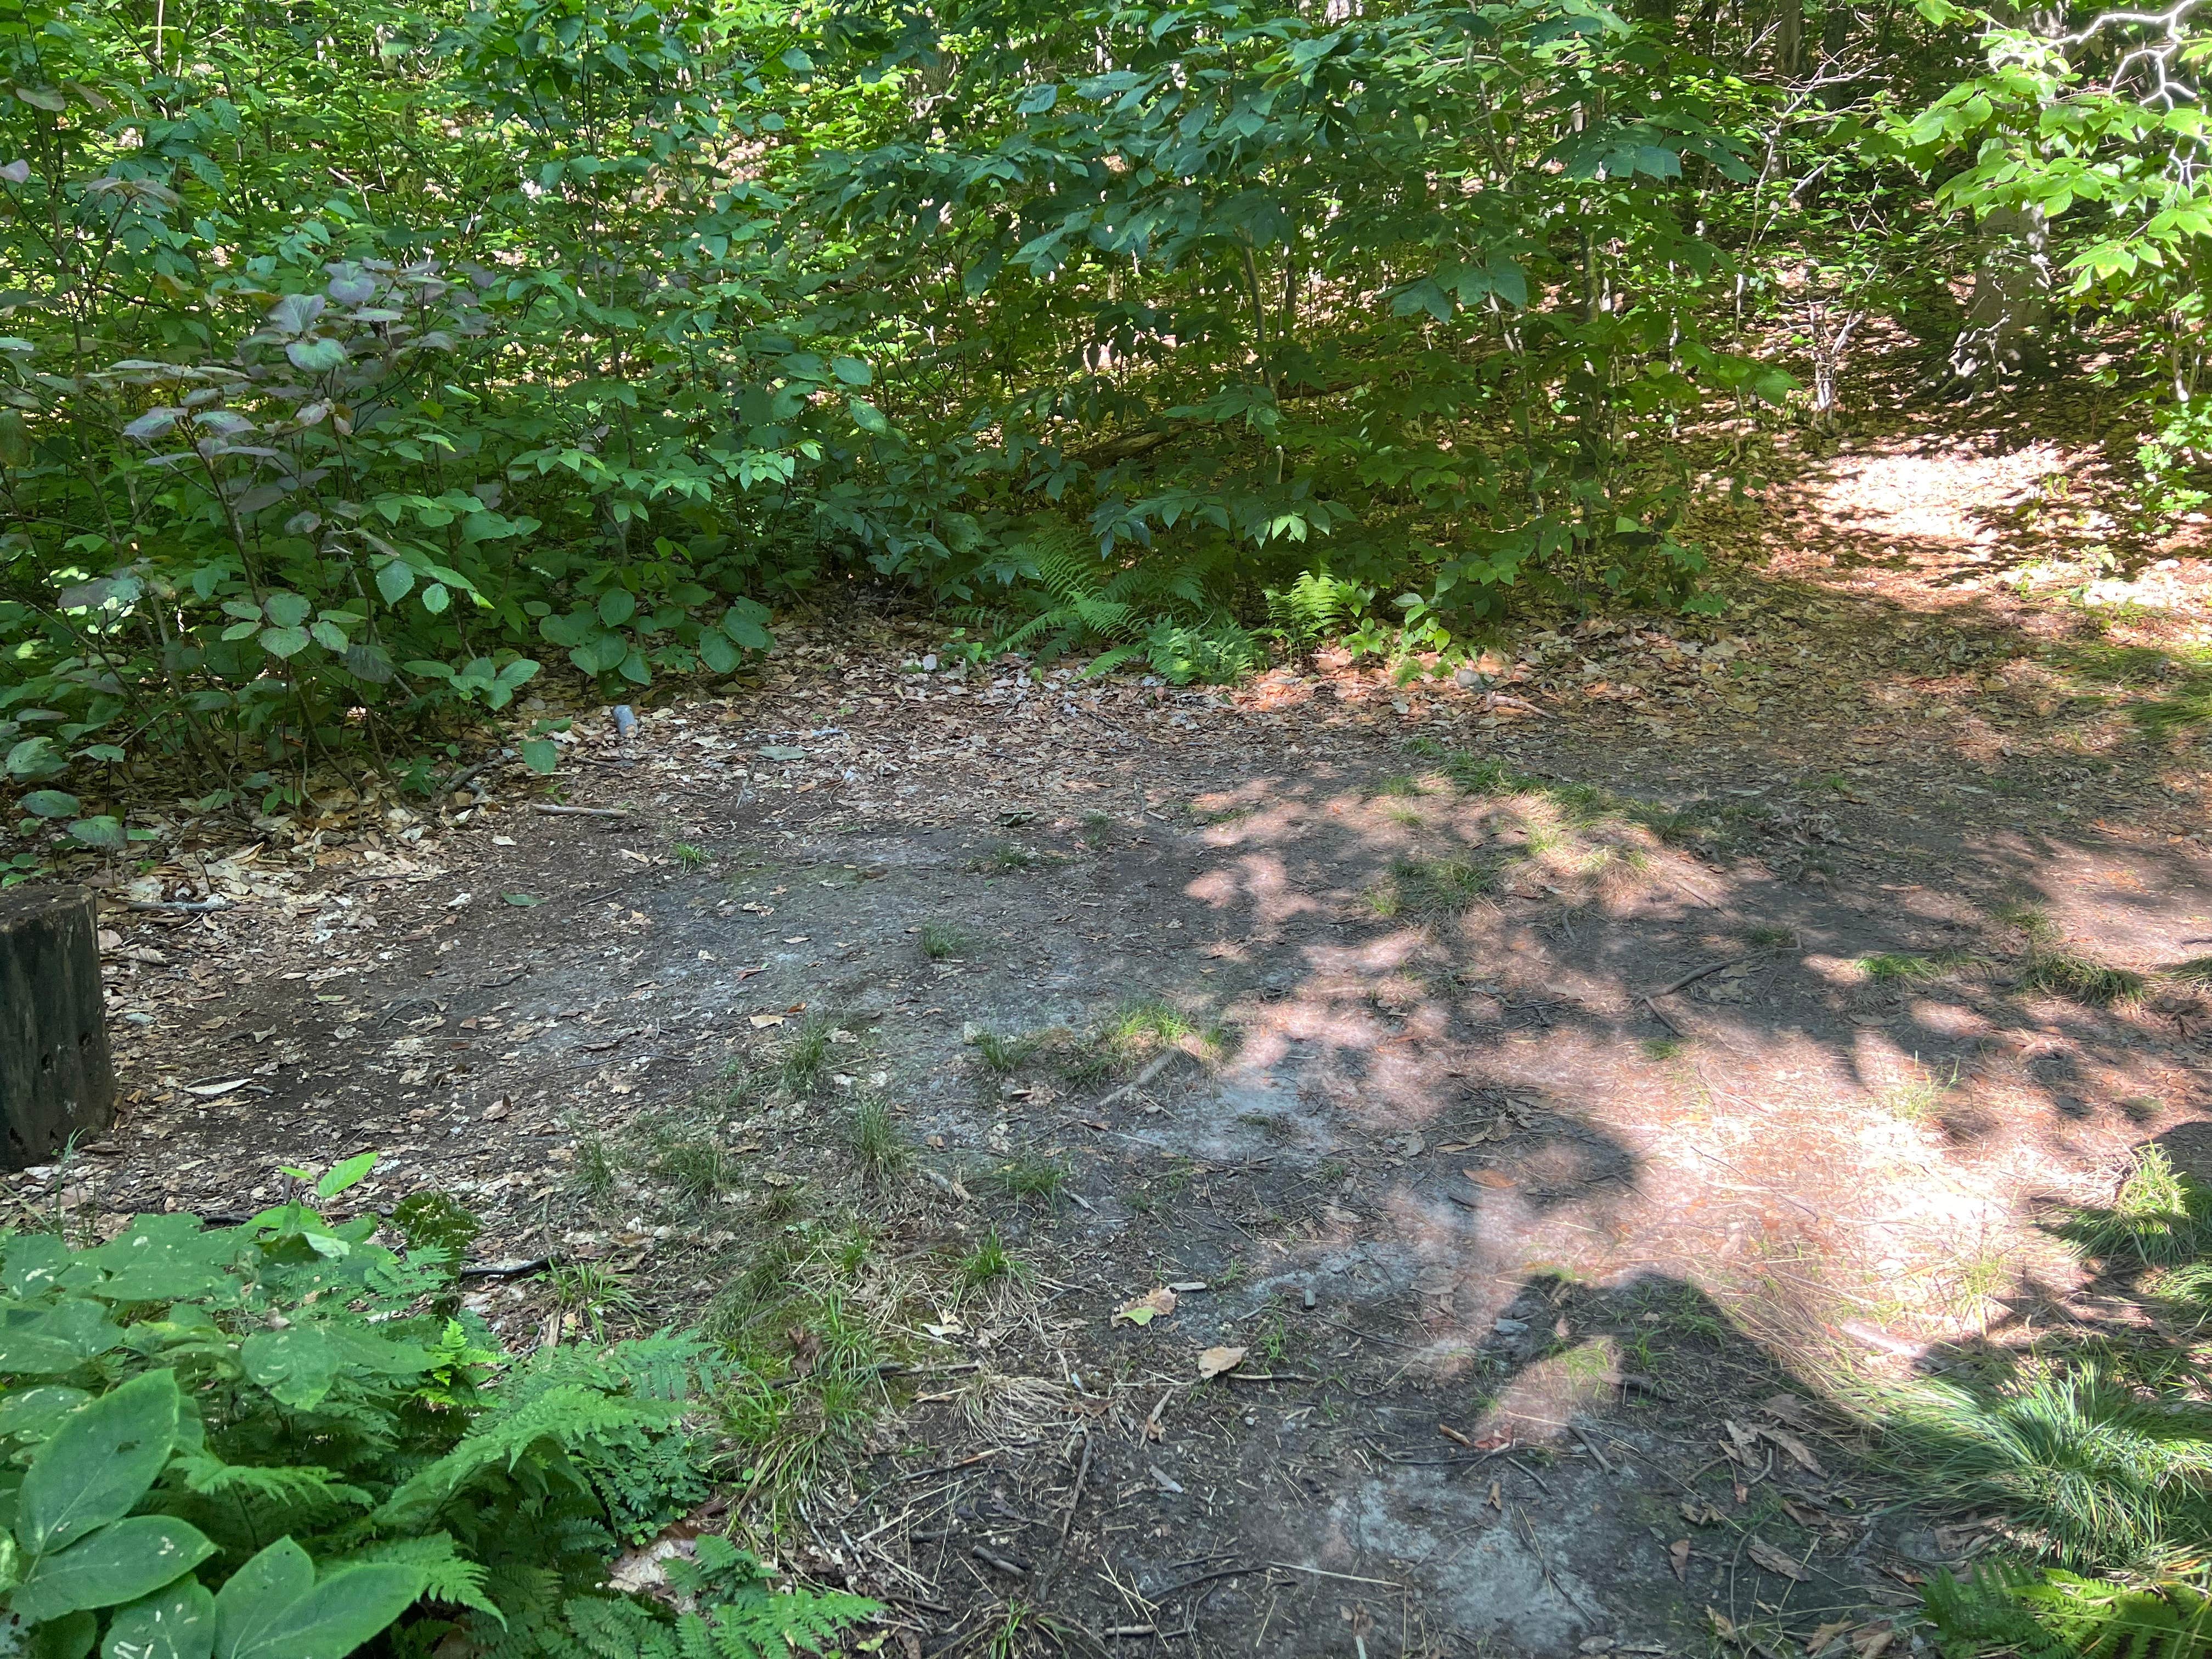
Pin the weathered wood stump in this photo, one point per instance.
(56, 1080)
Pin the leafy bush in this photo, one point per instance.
(252, 1443)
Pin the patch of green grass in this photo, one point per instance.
(2197, 970)
(2072, 1454)
(1438, 888)
(2158, 1217)
(1401, 786)
(696, 1165)
(1008, 859)
(943, 943)
(592, 1176)
(2071, 974)
(1892, 966)
(1385, 900)
(1008, 1054)
(878, 1142)
(1404, 816)
(987, 1263)
(1026, 1178)
(1486, 774)
(805, 1056)
(1141, 1029)
(1664, 1048)
(1919, 1097)
(1097, 830)
(592, 1296)
(1770, 936)
(2030, 919)
(691, 857)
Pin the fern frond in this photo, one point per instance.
(447, 1575)
(303, 1486)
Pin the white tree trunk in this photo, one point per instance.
(2006, 320)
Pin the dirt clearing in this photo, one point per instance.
(1336, 1165)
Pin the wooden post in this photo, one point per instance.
(56, 1080)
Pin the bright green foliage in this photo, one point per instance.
(2058, 1615)
(250, 1443)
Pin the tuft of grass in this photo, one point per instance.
(941, 942)
(594, 1296)
(1440, 887)
(878, 1143)
(1141, 1029)
(1918, 1098)
(696, 1165)
(691, 857)
(1897, 968)
(1097, 830)
(1007, 859)
(1767, 937)
(805, 1056)
(2160, 1218)
(2105, 1477)
(2197, 970)
(2071, 974)
(1664, 1048)
(1485, 775)
(1399, 787)
(989, 1262)
(1004, 1054)
(2030, 919)
(593, 1176)
(1026, 1178)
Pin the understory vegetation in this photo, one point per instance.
(361, 363)
(283, 1439)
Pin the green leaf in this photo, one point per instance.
(541, 756)
(273, 1608)
(49, 804)
(868, 416)
(395, 579)
(286, 610)
(746, 622)
(316, 356)
(718, 654)
(617, 606)
(296, 1364)
(435, 599)
(177, 1622)
(46, 1341)
(341, 1176)
(851, 370)
(100, 1464)
(35, 757)
(106, 831)
(118, 1562)
(525, 900)
(283, 641)
(64, 1638)
(37, 1412)
(330, 636)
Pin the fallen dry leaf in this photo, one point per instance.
(1870, 1642)
(1488, 1177)
(1677, 1554)
(1800, 1454)
(1776, 1561)
(1698, 1513)
(1823, 1638)
(1790, 1408)
(1141, 1310)
(1454, 1436)
(1214, 1361)
(762, 1021)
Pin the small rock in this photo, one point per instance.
(1505, 1327)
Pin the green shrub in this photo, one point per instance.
(252, 1443)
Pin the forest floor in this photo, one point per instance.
(1540, 1103)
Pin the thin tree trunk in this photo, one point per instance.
(2009, 317)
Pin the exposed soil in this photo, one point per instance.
(1553, 1260)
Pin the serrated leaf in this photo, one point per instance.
(106, 831)
(395, 579)
(316, 356)
(283, 641)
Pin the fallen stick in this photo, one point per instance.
(1694, 976)
(180, 907)
(553, 811)
(1159, 1063)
